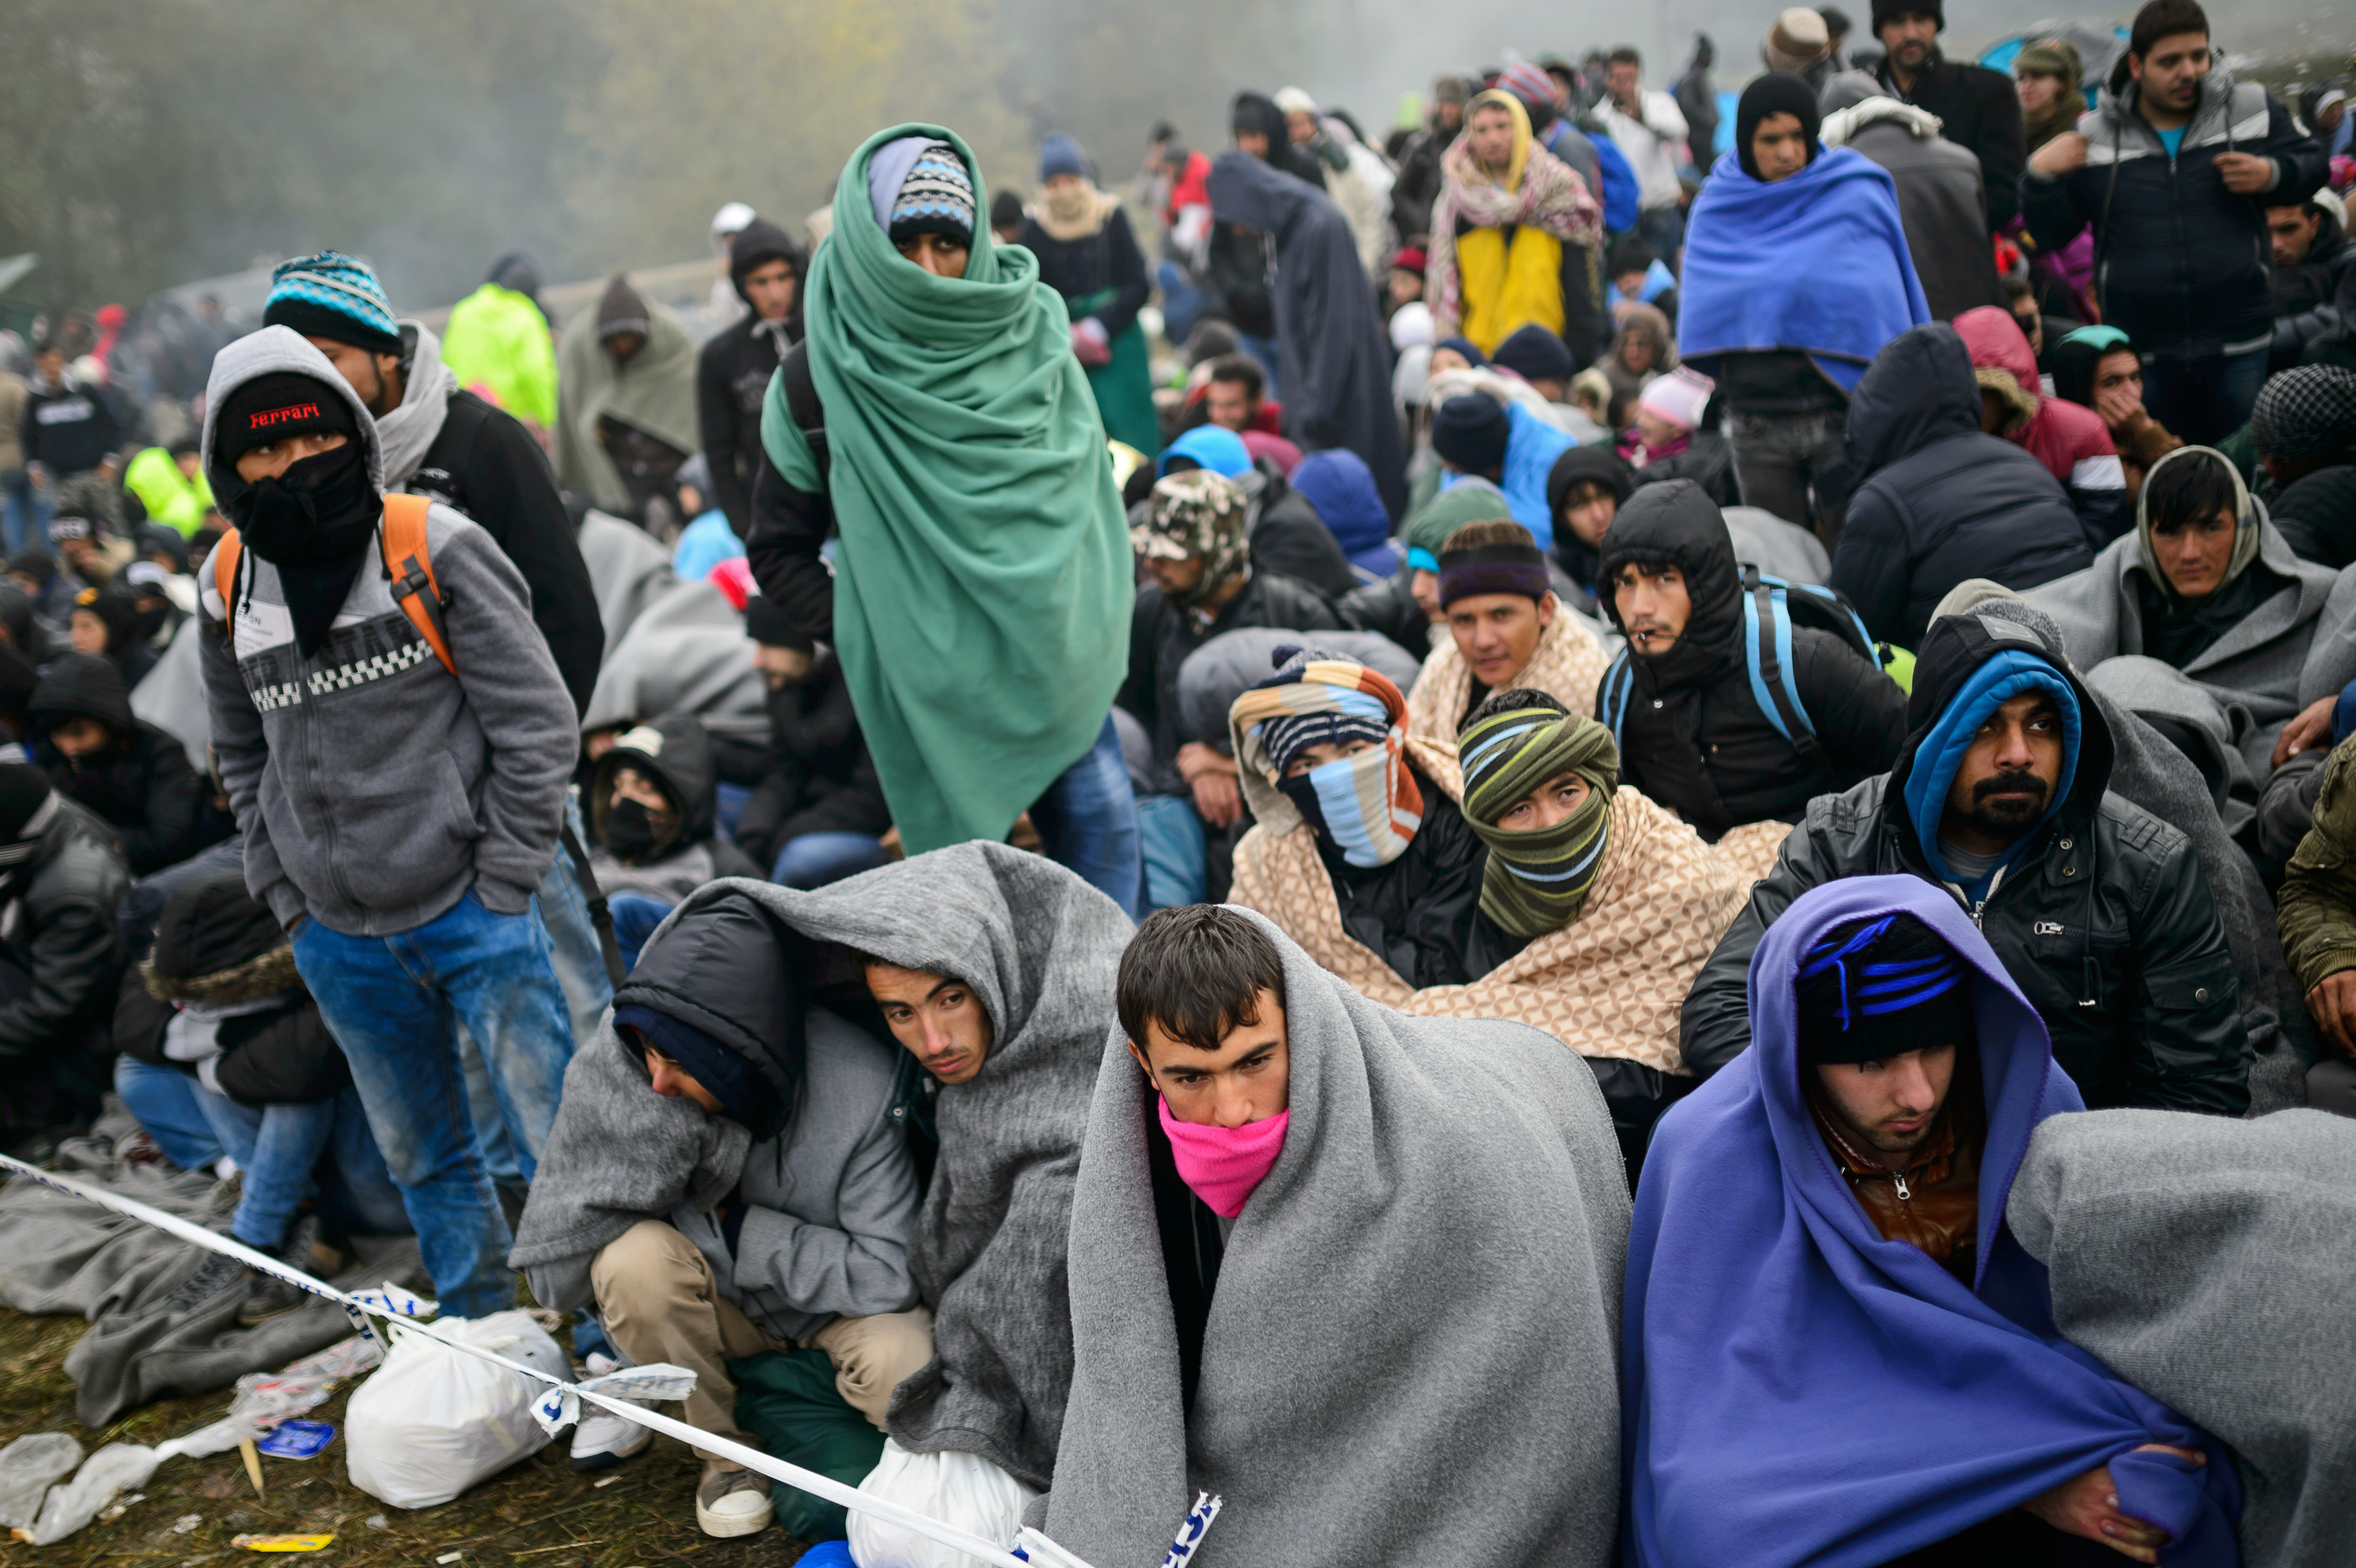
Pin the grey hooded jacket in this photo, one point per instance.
(374, 788)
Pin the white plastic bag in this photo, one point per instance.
(113, 1469)
(961, 1489)
(27, 1467)
(434, 1420)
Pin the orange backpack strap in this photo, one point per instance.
(226, 552)
(411, 567)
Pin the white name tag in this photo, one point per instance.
(261, 626)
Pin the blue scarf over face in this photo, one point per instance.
(1808, 1393)
(1941, 753)
(1817, 262)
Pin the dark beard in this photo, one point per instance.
(2003, 815)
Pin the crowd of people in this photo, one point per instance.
(1680, 698)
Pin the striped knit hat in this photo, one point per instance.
(935, 197)
(1367, 805)
(335, 296)
(1537, 878)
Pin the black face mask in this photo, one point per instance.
(630, 832)
(313, 523)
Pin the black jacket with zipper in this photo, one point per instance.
(2107, 924)
(816, 776)
(2181, 263)
(1978, 109)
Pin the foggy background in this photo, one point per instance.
(148, 143)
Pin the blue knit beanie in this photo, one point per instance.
(1059, 155)
(333, 297)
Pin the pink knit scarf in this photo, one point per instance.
(1224, 1165)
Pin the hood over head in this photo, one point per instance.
(1970, 663)
(2249, 518)
(757, 244)
(216, 945)
(1596, 464)
(736, 977)
(675, 751)
(1775, 93)
(2002, 360)
(1258, 196)
(82, 686)
(2076, 357)
(1676, 523)
(1338, 482)
(1919, 390)
(274, 351)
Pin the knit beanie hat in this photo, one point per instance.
(1879, 988)
(1536, 354)
(1471, 433)
(270, 408)
(1678, 398)
(746, 1096)
(767, 623)
(1059, 155)
(1506, 566)
(623, 310)
(1295, 100)
(1531, 84)
(1427, 529)
(333, 297)
(917, 185)
(1797, 40)
(1890, 10)
(2306, 413)
(1457, 89)
(114, 609)
(70, 524)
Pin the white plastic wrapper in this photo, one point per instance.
(961, 1489)
(28, 1468)
(434, 1420)
(557, 1408)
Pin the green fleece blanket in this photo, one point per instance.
(982, 578)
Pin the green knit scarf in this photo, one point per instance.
(1537, 881)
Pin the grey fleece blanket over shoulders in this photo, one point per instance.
(1039, 947)
(2211, 1264)
(1413, 1345)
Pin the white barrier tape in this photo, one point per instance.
(752, 1459)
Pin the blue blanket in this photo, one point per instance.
(1794, 1388)
(1817, 262)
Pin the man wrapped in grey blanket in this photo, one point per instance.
(1396, 1338)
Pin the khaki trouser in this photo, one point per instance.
(659, 1301)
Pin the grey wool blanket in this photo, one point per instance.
(1039, 947)
(61, 1254)
(1412, 1353)
(2209, 1263)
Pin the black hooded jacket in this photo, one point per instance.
(1161, 633)
(2106, 923)
(678, 758)
(1941, 501)
(62, 942)
(1289, 537)
(1694, 737)
(736, 975)
(1335, 361)
(732, 373)
(141, 785)
(816, 776)
(2314, 294)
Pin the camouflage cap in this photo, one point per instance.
(1195, 513)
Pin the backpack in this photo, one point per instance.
(801, 403)
(402, 542)
(1771, 608)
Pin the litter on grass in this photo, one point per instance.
(283, 1542)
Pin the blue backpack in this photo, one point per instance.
(1770, 607)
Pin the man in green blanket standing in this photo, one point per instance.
(935, 419)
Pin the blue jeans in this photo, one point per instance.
(1087, 821)
(278, 1148)
(1175, 845)
(635, 915)
(391, 1003)
(730, 808)
(2203, 401)
(814, 859)
(165, 1098)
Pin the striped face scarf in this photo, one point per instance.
(1368, 805)
(1537, 879)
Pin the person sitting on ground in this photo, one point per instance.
(1405, 607)
(2001, 798)
(2205, 595)
(129, 773)
(1940, 499)
(789, 1230)
(652, 802)
(1233, 395)
(1638, 276)
(2098, 367)
(60, 956)
(88, 553)
(1538, 357)
(1819, 1250)
(2317, 909)
(2315, 275)
(1340, 486)
(1643, 349)
(1692, 733)
(1287, 535)
(2073, 445)
(220, 1000)
(1505, 628)
(1203, 584)
(1233, 1285)
(1585, 490)
(2304, 431)
(1796, 274)
(817, 812)
(1504, 446)
(105, 623)
(1355, 847)
(1597, 907)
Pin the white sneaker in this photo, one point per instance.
(604, 1440)
(733, 1502)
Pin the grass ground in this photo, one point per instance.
(536, 1514)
